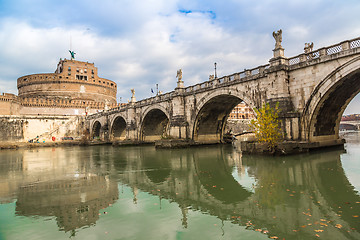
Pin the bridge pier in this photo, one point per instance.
(178, 128)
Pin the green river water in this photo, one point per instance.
(210, 192)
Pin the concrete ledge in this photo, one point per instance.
(288, 148)
(174, 143)
(130, 143)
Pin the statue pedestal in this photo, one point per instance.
(279, 52)
(279, 58)
(180, 84)
(278, 61)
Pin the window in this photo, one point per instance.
(69, 69)
(81, 77)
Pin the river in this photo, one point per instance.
(209, 192)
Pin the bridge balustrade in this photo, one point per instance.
(327, 51)
(355, 43)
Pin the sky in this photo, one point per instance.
(139, 44)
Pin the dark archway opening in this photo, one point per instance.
(333, 105)
(118, 130)
(211, 119)
(96, 130)
(154, 126)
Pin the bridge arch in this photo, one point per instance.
(212, 112)
(154, 124)
(96, 130)
(118, 128)
(323, 111)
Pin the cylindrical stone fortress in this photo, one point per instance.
(72, 80)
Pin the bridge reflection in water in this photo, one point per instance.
(291, 197)
(302, 193)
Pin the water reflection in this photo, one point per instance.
(290, 197)
(57, 183)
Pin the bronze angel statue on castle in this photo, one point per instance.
(72, 53)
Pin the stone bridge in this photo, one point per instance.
(349, 125)
(312, 89)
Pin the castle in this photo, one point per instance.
(74, 89)
(54, 104)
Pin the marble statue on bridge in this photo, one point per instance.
(179, 74)
(133, 99)
(309, 48)
(180, 83)
(278, 38)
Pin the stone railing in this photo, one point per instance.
(238, 77)
(217, 82)
(326, 51)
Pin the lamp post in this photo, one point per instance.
(215, 71)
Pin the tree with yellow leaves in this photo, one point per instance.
(267, 125)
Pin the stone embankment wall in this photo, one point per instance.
(24, 128)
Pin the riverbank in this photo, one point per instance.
(16, 145)
(247, 147)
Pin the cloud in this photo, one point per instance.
(142, 43)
